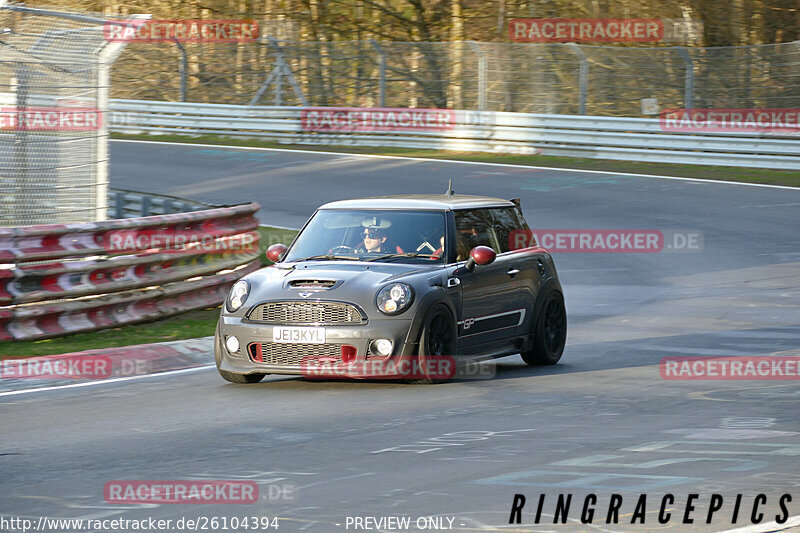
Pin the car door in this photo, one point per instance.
(492, 308)
(516, 243)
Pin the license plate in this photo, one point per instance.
(293, 335)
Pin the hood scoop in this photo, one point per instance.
(312, 283)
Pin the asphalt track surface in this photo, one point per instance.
(603, 421)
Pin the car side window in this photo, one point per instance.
(510, 228)
(473, 228)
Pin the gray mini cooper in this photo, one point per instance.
(381, 287)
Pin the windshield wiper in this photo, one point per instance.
(407, 254)
(328, 257)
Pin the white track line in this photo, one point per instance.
(429, 159)
(104, 381)
(766, 527)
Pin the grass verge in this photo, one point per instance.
(189, 325)
(740, 174)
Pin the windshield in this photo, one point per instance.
(372, 235)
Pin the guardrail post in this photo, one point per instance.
(146, 201)
(583, 77)
(20, 145)
(119, 205)
(182, 69)
(381, 73)
(482, 68)
(688, 87)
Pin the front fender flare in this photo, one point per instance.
(437, 296)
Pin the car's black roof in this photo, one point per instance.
(420, 201)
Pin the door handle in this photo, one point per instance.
(512, 272)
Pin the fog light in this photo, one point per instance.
(382, 346)
(232, 343)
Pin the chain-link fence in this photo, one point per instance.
(522, 77)
(54, 70)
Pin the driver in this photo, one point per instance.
(375, 237)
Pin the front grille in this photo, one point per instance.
(297, 312)
(274, 353)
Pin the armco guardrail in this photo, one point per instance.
(60, 279)
(630, 139)
(123, 203)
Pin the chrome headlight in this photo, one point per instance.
(394, 299)
(238, 295)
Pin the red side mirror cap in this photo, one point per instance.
(483, 255)
(275, 252)
(480, 255)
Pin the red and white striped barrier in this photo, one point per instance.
(118, 272)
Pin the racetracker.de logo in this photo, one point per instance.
(36, 118)
(345, 119)
(586, 30)
(620, 241)
(731, 368)
(433, 367)
(181, 491)
(138, 240)
(783, 121)
(57, 367)
(184, 31)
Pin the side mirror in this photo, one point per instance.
(480, 255)
(275, 252)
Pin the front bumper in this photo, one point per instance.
(364, 365)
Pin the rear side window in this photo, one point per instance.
(473, 228)
(511, 229)
(502, 229)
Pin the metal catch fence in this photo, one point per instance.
(550, 78)
(54, 80)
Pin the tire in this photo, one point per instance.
(550, 334)
(232, 377)
(437, 338)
